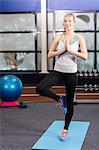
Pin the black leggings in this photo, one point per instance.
(54, 78)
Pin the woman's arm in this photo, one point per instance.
(83, 49)
(52, 51)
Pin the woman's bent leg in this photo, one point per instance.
(50, 80)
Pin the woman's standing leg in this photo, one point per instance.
(50, 80)
(70, 91)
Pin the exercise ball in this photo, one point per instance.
(10, 88)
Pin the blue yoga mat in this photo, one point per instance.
(51, 140)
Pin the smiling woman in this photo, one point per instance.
(69, 21)
(65, 46)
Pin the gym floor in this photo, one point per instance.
(21, 128)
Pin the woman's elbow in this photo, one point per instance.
(49, 55)
(86, 57)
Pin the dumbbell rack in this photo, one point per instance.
(88, 81)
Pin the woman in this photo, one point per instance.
(65, 47)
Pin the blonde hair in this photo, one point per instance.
(70, 15)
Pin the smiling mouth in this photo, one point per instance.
(67, 27)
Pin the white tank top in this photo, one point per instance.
(66, 63)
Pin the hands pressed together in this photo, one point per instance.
(67, 45)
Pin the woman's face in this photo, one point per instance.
(68, 23)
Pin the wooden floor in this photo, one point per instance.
(29, 95)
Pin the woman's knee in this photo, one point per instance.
(39, 89)
(70, 109)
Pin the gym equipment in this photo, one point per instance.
(88, 81)
(10, 90)
(51, 138)
(22, 105)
